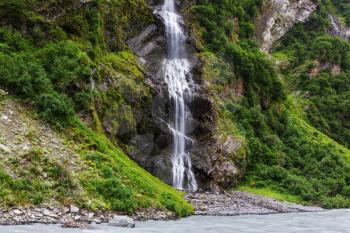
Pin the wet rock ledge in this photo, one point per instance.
(238, 203)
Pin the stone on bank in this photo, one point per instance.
(121, 221)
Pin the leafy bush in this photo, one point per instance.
(64, 63)
(24, 75)
(54, 107)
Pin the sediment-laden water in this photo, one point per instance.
(332, 221)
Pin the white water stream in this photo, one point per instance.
(338, 29)
(176, 69)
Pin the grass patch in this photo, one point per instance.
(118, 182)
(269, 192)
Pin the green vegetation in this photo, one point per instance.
(54, 55)
(31, 186)
(118, 182)
(287, 157)
(94, 174)
(68, 59)
(320, 68)
(267, 192)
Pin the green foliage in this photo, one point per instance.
(285, 154)
(54, 107)
(325, 92)
(331, 49)
(290, 156)
(227, 28)
(30, 185)
(64, 63)
(222, 21)
(343, 8)
(44, 77)
(120, 182)
(261, 83)
(24, 75)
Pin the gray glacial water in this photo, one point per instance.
(332, 221)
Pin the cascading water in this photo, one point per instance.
(175, 69)
(338, 29)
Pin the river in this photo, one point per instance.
(331, 221)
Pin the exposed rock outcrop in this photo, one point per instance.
(218, 164)
(318, 67)
(279, 16)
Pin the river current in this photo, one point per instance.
(331, 221)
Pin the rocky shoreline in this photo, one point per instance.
(238, 203)
(72, 216)
(216, 204)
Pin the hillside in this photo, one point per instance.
(87, 116)
(41, 165)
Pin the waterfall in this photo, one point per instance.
(176, 69)
(338, 29)
(335, 25)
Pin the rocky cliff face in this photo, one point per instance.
(278, 16)
(211, 158)
(218, 159)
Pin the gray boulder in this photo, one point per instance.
(121, 221)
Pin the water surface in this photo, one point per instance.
(332, 221)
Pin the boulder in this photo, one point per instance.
(121, 221)
(74, 209)
(17, 212)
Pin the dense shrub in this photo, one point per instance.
(45, 77)
(64, 63)
(54, 107)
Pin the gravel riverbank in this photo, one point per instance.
(237, 203)
(223, 204)
(71, 216)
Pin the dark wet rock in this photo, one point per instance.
(214, 165)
